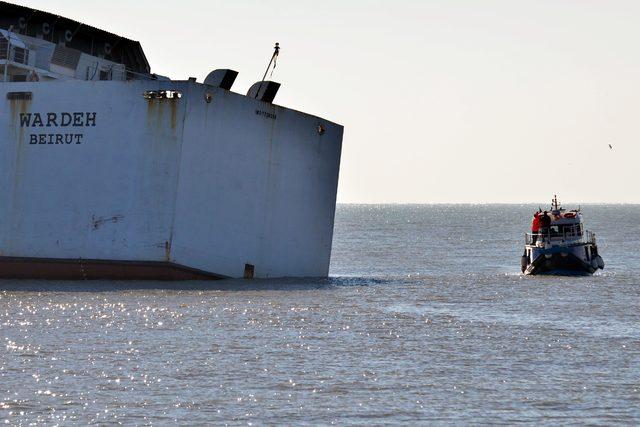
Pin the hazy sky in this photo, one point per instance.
(442, 100)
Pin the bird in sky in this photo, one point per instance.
(610, 147)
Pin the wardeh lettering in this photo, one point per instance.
(57, 120)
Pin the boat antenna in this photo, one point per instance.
(554, 202)
(274, 62)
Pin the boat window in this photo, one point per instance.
(20, 55)
(565, 230)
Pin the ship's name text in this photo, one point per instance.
(57, 120)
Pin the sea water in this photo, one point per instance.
(425, 319)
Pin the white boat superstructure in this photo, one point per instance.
(559, 244)
(110, 171)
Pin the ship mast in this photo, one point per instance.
(273, 62)
(273, 59)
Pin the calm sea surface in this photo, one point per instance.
(425, 319)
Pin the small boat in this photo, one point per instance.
(560, 245)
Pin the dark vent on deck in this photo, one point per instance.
(221, 78)
(66, 57)
(13, 96)
(264, 91)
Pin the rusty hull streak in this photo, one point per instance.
(174, 112)
(155, 112)
(167, 251)
(17, 107)
(151, 111)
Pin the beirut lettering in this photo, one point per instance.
(50, 125)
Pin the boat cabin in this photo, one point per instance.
(566, 227)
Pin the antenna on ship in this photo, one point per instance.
(274, 62)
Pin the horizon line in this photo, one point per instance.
(485, 203)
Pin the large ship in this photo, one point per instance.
(108, 171)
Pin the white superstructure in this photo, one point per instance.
(109, 171)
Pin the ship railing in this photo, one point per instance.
(13, 54)
(12, 51)
(533, 238)
(572, 235)
(132, 75)
(100, 72)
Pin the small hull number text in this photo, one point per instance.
(266, 114)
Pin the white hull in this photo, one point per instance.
(208, 186)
